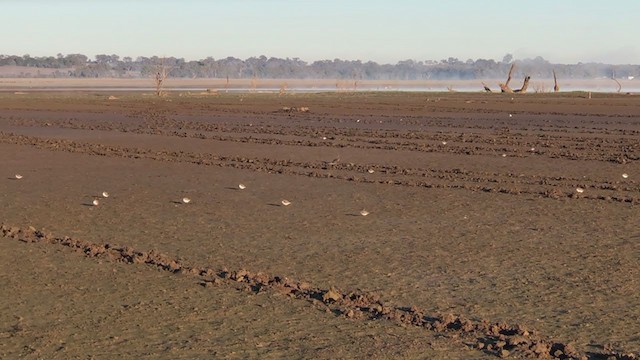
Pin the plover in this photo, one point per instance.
(186, 200)
(364, 212)
(95, 202)
(285, 202)
(241, 186)
(18, 176)
(105, 194)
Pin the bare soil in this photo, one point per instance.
(478, 242)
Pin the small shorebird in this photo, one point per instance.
(18, 176)
(364, 212)
(241, 186)
(186, 200)
(579, 190)
(444, 143)
(371, 171)
(285, 202)
(105, 194)
(625, 175)
(95, 202)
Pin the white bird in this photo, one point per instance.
(334, 161)
(371, 171)
(324, 138)
(95, 202)
(286, 202)
(18, 176)
(579, 190)
(241, 186)
(186, 200)
(105, 194)
(444, 143)
(532, 149)
(364, 212)
(625, 175)
(504, 155)
(510, 115)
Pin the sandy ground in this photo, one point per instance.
(473, 212)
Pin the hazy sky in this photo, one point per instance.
(566, 31)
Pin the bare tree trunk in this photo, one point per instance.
(556, 87)
(283, 88)
(617, 82)
(525, 85)
(254, 84)
(160, 77)
(505, 87)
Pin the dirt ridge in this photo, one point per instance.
(549, 187)
(607, 149)
(499, 339)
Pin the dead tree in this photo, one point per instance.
(505, 87)
(160, 77)
(525, 85)
(556, 87)
(619, 85)
(283, 88)
(254, 83)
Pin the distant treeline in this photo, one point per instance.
(78, 65)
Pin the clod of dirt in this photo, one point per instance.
(331, 295)
(499, 339)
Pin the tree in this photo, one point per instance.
(160, 76)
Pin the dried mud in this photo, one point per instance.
(473, 202)
(498, 338)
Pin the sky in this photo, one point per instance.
(567, 31)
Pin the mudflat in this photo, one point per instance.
(496, 225)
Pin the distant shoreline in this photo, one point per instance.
(303, 85)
